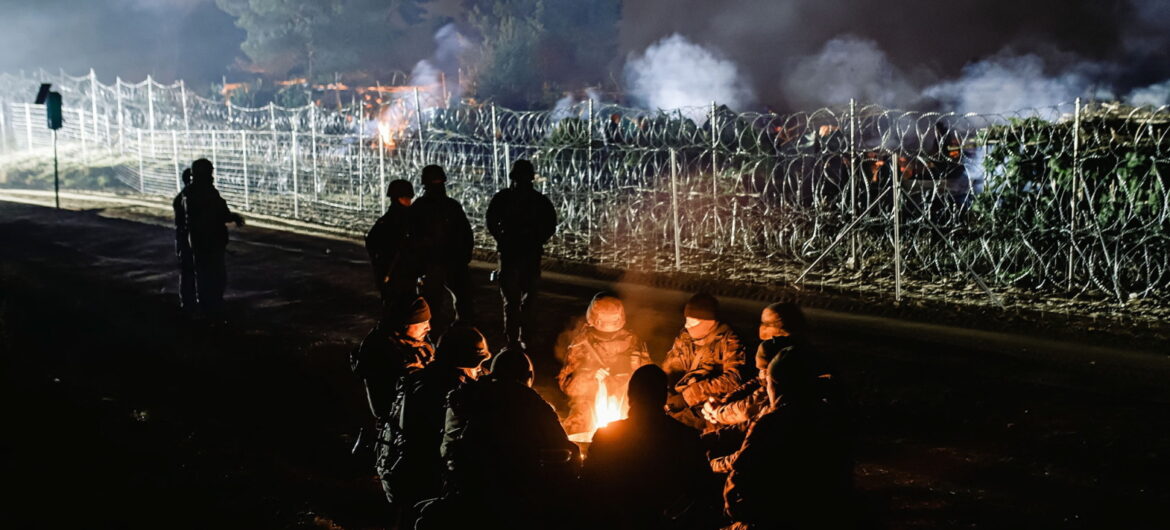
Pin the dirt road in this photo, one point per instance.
(127, 415)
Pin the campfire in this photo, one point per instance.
(607, 407)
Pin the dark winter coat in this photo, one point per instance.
(207, 214)
(649, 472)
(182, 235)
(386, 242)
(521, 219)
(794, 469)
(381, 361)
(503, 442)
(439, 230)
(417, 469)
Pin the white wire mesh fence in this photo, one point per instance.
(1067, 202)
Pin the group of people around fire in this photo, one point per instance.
(463, 440)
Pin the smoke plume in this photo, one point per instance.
(677, 74)
(847, 68)
(450, 48)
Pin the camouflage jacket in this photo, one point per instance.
(712, 366)
(590, 350)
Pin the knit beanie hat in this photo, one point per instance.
(701, 306)
(418, 312)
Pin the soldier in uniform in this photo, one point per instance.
(187, 300)
(602, 351)
(442, 241)
(395, 347)
(521, 220)
(207, 214)
(705, 361)
(386, 242)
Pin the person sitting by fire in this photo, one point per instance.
(649, 471)
(502, 441)
(705, 361)
(421, 406)
(601, 355)
(795, 468)
(396, 346)
(782, 326)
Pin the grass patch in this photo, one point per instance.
(34, 169)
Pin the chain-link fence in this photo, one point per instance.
(1063, 203)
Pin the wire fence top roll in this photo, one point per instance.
(1068, 202)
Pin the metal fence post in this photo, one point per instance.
(183, 102)
(381, 172)
(175, 158)
(214, 150)
(313, 144)
(81, 129)
(93, 100)
(296, 188)
(121, 120)
(849, 157)
(1072, 202)
(141, 165)
(361, 126)
(674, 209)
(589, 177)
(495, 148)
(150, 113)
(421, 136)
(28, 124)
(897, 182)
(244, 159)
(3, 125)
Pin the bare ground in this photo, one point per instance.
(124, 414)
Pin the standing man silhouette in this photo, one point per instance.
(187, 300)
(207, 214)
(441, 240)
(521, 220)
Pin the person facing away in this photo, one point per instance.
(395, 347)
(649, 471)
(521, 220)
(705, 361)
(502, 441)
(600, 351)
(795, 468)
(207, 215)
(418, 468)
(187, 300)
(387, 245)
(442, 241)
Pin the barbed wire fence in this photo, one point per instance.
(1065, 203)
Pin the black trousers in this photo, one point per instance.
(210, 279)
(519, 272)
(187, 297)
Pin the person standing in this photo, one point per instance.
(187, 300)
(386, 242)
(521, 220)
(442, 241)
(207, 214)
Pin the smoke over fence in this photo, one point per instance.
(1064, 203)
